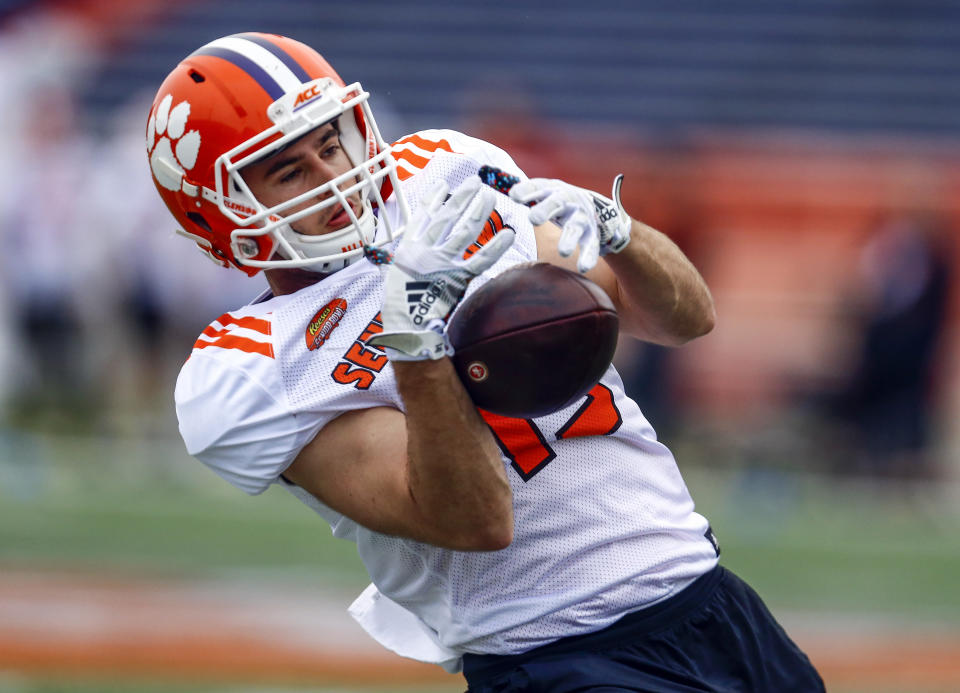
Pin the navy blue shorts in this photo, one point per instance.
(716, 635)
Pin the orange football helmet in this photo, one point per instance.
(239, 99)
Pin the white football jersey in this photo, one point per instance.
(604, 524)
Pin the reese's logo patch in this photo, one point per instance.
(324, 322)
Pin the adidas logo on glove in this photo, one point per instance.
(421, 296)
(605, 211)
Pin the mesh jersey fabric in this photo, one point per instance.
(605, 527)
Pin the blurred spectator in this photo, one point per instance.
(900, 306)
(45, 256)
(155, 291)
(44, 162)
(99, 300)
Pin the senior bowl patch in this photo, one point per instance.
(324, 322)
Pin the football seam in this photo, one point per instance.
(533, 326)
(598, 309)
(590, 295)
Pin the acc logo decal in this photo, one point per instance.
(306, 95)
(324, 322)
(170, 126)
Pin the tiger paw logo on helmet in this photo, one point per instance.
(172, 150)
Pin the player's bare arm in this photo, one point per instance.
(434, 474)
(660, 296)
(458, 481)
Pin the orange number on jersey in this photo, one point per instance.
(598, 416)
(524, 444)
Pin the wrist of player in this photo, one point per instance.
(428, 274)
(414, 313)
(613, 222)
(430, 344)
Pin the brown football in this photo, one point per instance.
(533, 340)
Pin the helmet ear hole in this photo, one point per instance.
(198, 219)
(197, 77)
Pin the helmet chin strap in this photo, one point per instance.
(305, 246)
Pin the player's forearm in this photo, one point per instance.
(457, 478)
(662, 297)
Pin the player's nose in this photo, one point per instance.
(321, 170)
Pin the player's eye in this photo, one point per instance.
(290, 175)
(331, 148)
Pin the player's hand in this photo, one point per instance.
(596, 223)
(428, 275)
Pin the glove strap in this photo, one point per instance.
(612, 220)
(414, 346)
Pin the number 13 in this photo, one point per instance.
(524, 444)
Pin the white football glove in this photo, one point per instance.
(596, 223)
(428, 275)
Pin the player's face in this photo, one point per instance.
(310, 161)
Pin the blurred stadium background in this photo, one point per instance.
(803, 152)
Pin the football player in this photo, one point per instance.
(560, 553)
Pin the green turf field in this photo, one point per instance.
(811, 546)
(832, 546)
(806, 544)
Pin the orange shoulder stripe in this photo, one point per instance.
(416, 160)
(256, 324)
(425, 144)
(411, 158)
(242, 343)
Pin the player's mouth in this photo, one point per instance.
(340, 217)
